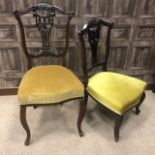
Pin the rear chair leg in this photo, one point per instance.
(24, 123)
(140, 102)
(34, 106)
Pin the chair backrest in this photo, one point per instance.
(95, 45)
(43, 15)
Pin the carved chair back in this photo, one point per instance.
(95, 46)
(43, 16)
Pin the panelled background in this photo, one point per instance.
(132, 42)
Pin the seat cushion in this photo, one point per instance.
(49, 84)
(115, 91)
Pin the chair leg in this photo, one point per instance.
(153, 90)
(118, 122)
(83, 105)
(24, 123)
(34, 107)
(140, 102)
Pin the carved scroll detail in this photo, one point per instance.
(44, 24)
(93, 38)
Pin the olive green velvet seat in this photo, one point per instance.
(49, 84)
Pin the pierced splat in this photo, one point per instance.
(93, 38)
(44, 23)
(44, 14)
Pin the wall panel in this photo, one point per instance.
(132, 40)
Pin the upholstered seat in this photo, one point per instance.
(48, 85)
(115, 91)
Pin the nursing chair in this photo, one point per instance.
(46, 84)
(118, 93)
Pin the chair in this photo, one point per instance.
(118, 93)
(46, 84)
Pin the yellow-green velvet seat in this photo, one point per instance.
(48, 85)
(115, 91)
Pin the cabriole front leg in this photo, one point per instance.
(118, 122)
(82, 111)
(24, 123)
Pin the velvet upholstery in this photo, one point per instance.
(115, 91)
(48, 85)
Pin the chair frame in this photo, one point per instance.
(86, 70)
(18, 14)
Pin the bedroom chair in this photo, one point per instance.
(116, 92)
(46, 84)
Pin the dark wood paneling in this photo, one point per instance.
(148, 7)
(121, 32)
(8, 33)
(145, 32)
(5, 6)
(12, 56)
(123, 8)
(32, 34)
(139, 58)
(59, 33)
(117, 57)
(133, 37)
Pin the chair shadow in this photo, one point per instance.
(54, 120)
(108, 119)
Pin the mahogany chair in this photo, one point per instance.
(46, 84)
(118, 93)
